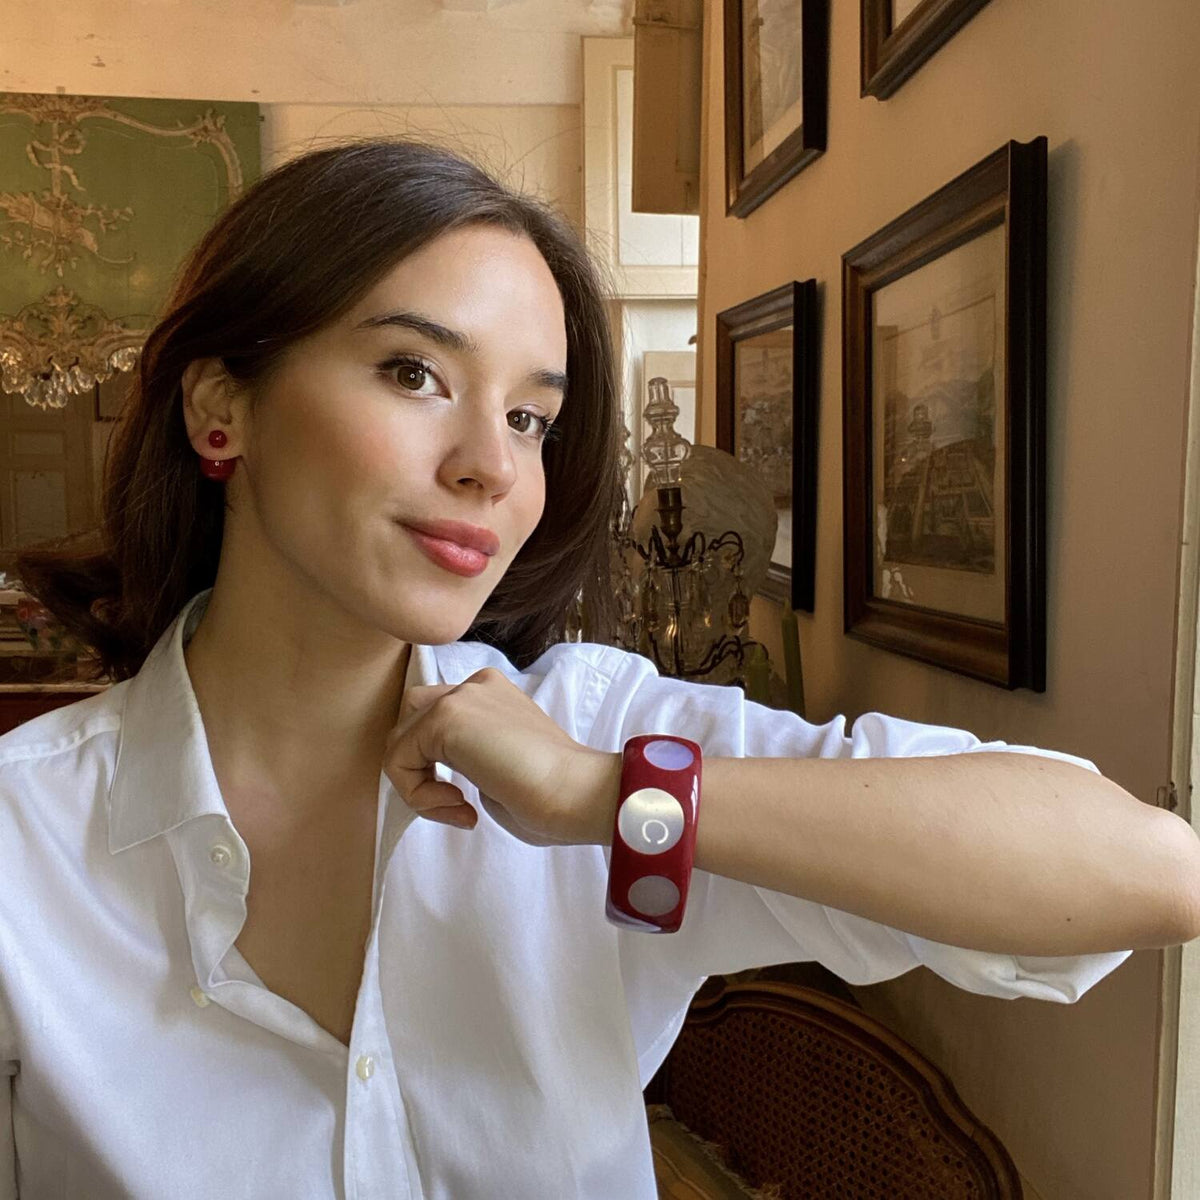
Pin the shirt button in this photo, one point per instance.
(365, 1067)
(220, 855)
(200, 998)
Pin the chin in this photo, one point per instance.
(434, 621)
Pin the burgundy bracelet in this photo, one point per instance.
(654, 833)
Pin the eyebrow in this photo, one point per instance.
(452, 339)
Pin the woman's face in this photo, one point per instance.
(426, 403)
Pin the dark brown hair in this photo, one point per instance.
(296, 251)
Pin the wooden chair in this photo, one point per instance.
(804, 1097)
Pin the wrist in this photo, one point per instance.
(597, 780)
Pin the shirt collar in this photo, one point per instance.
(164, 775)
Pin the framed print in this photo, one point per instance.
(776, 95)
(944, 436)
(768, 393)
(897, 36)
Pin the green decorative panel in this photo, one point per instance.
(100, 200)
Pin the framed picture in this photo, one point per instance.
(768, 393)
(944, 441)
(897, 36)
(776, 94)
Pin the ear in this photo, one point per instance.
(209, 395)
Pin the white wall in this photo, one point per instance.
(536, 148)
(504, 86)
(412, 52)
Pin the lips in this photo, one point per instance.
(473, 537)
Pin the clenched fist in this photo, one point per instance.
(533, 779)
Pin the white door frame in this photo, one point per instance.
(1177, 1115)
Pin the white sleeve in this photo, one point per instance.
(731, 926)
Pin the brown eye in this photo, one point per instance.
(410, 373)
(411, 376)
(537, 427)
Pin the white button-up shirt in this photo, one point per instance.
(504, 1029)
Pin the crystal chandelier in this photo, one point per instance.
(668, 614)
(60, 347)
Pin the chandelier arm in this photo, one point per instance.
(730, 537)
(728, 647)
(627, 542)
(662, 558)
(692, 548)
(654, 654)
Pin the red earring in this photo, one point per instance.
(217, 469)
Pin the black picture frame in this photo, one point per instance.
(746, 190)
(794, 305)
(1005, 192)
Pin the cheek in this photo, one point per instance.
(381, 457)
(537, 498)
(370, 453)
(328, 446)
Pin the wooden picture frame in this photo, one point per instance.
(944, 449)
(892, 50)
(799, 88)
(790, 309)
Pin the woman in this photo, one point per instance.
(369, 460)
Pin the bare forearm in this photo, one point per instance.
(1004, 852)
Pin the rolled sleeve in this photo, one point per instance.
(731, 926)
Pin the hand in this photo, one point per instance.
(533, 778)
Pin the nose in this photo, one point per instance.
(481, 454)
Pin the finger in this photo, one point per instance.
(415, 704)
(443, 802)
(414, 782)
(414, 742)
(411, 745)
(420, 696)
(433, 798)
(414, 748)
(487, 675)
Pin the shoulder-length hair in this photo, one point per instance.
(294, 253)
